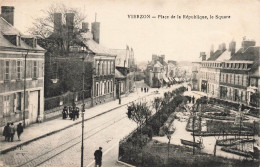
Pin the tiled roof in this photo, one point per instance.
(8, 29)
(118, 74)
(94, 46)
(215, 55)
(121, 57)
(224, 56)
(251, 54)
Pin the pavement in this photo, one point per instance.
(41, 130)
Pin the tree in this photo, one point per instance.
(139, 113)
(157, 104)
(43, 26)
(57, 44)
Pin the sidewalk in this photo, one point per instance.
(37, 131)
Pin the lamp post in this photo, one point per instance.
(24, 87)
(83, 108)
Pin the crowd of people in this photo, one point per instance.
(9, 131)
(71, 112)
(145, 89)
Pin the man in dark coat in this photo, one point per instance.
(19, 130)
(11, 132)
(73, 113)
(77, 112)
(193, 99)
(64, 112)
(98, 157)
(6, 132)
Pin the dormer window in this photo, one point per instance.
(30, 40)
(14, 39)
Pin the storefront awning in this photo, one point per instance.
(118, 74)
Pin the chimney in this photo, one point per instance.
(232, 47)
(163, 56)
(222, 47)
(95, 29)
(85, 26)
(57, 22)
(203, 56)
(247, 43)
(211, 50)
(70, 22)
(8, 14)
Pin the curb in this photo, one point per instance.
(126, 164)
(56, 131)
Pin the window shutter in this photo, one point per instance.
(2, 70)
(1, 105)
(37, 71)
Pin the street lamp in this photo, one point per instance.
(83, 106)
(24, 87)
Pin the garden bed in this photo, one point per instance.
(202, 133)
(156, 155)
(237, 152)
(233, 141)
(197, 126)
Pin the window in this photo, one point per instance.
(105, 87)
(103, 68)
(97, 89)
(19, 69)
(35, 69)
(96, 66)
(108, 86)
(6, 104)
(245, 81)
(18, 101)
(112, 67)
(7, 70)
(109, 67)
(112, 86)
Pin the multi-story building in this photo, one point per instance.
(195, 76)
(99, 63)
(240, 74)
(156, 73)
(124, 70)
(210, 69)
(21, 73)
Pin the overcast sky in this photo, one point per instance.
(178, 39)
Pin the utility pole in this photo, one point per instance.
(193, 122)
(24, 87)
(83, 110)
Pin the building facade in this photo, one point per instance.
(232, 75)
(158, 73)
(240, 75)
(21, 74)
(83, 49)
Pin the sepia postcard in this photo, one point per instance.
(148, 83)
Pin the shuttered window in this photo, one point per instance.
(7, 70)
(19, 70)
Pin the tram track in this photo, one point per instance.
(42, 158)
